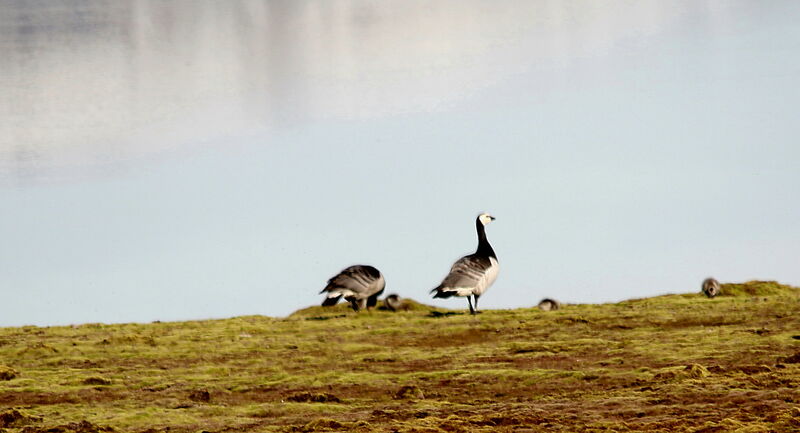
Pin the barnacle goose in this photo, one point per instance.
(548, 304)
(360, 285)
(471, 275)
(710, 287)
(393, 303)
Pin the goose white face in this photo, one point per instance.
(485, 218)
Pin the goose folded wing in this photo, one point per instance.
(356, 279)
(467, 272)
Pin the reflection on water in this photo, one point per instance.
(87, 84)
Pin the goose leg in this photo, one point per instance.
(354, 304)
(372, 301)
(469, 301)
(476, 303)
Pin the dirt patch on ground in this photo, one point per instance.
(75, 427)
(409, 392)
(82, 396)
(307, 397)
(793, 359)
(321, 424)
(14, 418)
(461, 338)
(752, 369)
(201, 396)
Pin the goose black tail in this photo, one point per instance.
(439, 293)
(329, 302)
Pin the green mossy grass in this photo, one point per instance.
(668, 363)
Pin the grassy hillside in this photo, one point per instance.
(664, 364)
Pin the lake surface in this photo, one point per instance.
(192, 159)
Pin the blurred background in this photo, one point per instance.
(197, 159)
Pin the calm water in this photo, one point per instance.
(190, 159)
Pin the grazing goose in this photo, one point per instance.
(471, 275)
(710, 287)
(360, 285)
(548, 304)
(394, 303)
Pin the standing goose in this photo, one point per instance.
(360, 285)
(471, 275)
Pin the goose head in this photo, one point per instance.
(485, 218)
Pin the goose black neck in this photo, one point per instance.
(483, 244)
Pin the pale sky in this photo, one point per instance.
(186, 160)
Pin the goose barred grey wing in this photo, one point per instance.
(469, 275)
(356, 283)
